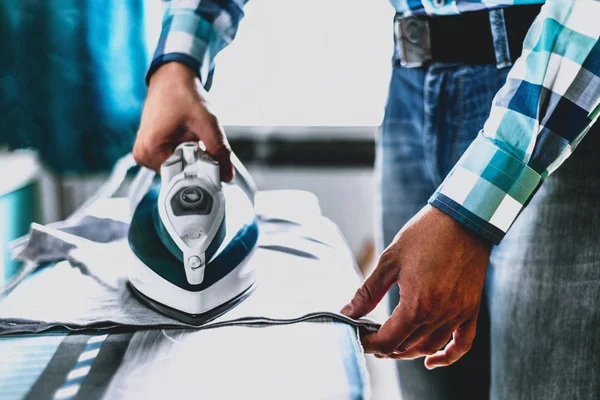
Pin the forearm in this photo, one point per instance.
(549, 102)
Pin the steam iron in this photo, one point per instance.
(192, 237)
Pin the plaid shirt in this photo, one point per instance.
(450, 7)
(549, 102)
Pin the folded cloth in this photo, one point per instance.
(305, 272)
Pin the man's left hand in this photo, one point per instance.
(440, 267)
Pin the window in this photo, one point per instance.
(304, 63)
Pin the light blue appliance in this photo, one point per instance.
(19, 203)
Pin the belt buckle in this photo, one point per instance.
(413, 41)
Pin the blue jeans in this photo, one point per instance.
(539, 327)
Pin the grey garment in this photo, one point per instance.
(90, 289)
(542, 338)
(543, 286)
(43, 247)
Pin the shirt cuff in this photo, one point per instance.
(487, 189)
(189, 39)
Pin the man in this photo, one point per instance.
(458, 86)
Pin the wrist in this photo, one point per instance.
(459, 229)
(174, 72)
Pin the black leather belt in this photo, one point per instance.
(465, 38)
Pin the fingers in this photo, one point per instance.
(206, 127)
(391, 334)
(151, 156)
(168, 121)
(151, 150)
(429, 341)
(372, 290)
(459, 346)
(415, 338)
(223, 156)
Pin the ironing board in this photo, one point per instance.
(255, 363)
(300, 361)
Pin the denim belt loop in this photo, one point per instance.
(500, 38)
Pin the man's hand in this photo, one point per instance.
(176, 111)
(440, 267)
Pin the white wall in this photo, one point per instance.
(301, 63)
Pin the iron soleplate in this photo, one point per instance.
(191, 319)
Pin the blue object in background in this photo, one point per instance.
(72, 79)
(19, 204)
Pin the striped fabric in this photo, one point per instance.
(325, 361)
(60, 365)
(546, 107)
(81, 369)
(22, 360)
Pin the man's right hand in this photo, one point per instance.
(176, 111)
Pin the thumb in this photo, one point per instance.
(372, 290)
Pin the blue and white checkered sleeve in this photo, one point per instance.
(549, 102)
(193, 33)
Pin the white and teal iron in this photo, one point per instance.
(192, 236)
